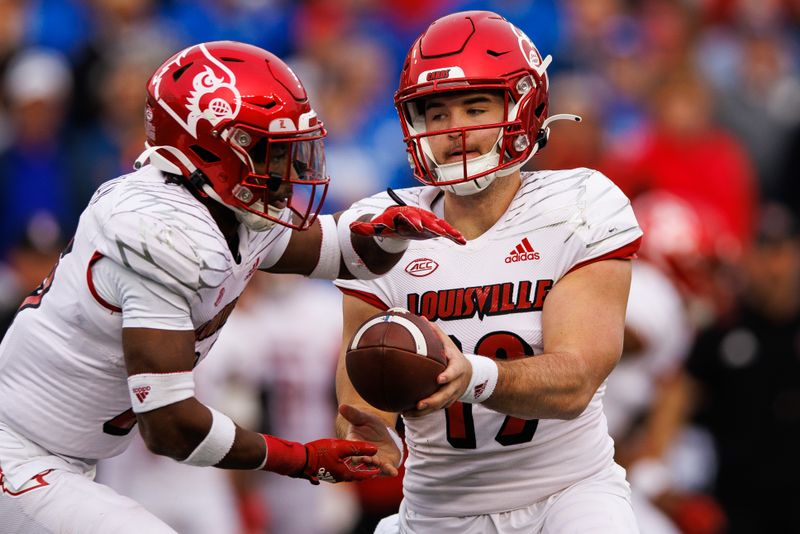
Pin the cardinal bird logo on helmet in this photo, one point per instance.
(213, 113)
(214, 96)
(211, 97)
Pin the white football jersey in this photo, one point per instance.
(63, 381)
(488, 296)
(657, 315)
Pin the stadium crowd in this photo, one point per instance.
(691, 106)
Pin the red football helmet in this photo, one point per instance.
(475, 51)
(236, 122)
(692, 249)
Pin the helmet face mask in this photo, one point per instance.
(218, 112)
(472, 150)
(475, 51)
(278, 168)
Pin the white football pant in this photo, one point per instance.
(70, 503)
(598, 505)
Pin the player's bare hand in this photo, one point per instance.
(407, 222)
(453, 381)
(335, 460)
(366, 426)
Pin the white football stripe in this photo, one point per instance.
(416, 333)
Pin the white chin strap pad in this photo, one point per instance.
(464, 189)
(255, 222)
(252, 221)
(446, 172)
(454, 171)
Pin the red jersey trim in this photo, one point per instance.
(40, 483)
(625, 252)
(95, 257)
(369, 298)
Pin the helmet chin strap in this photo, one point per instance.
(454, 171)
(445, 172)
(253, 221)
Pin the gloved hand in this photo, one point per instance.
(329, 460)
(407, 222)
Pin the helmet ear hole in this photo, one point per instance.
(539, 110)
(206, 155)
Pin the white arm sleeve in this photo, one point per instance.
(144, 303)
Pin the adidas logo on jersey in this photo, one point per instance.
(522, 252)
(141, 392)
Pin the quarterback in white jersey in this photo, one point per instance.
(531, 310)
(156, 266)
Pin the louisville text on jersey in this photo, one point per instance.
(494, 299)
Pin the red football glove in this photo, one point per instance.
(324, 459)
(407, 222)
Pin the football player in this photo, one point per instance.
(234, 184)
(531, 310)
(681, 283)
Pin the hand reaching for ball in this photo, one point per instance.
(453, 381)
(366, 426)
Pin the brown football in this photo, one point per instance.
(393, 360)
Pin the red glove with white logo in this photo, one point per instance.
(329, 460)
(407, 222)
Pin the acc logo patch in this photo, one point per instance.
(421, 267)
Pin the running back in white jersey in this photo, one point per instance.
(62, 372)
(488, 296)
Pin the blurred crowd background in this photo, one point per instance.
(691, 106)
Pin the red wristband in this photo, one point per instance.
(285, 457)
